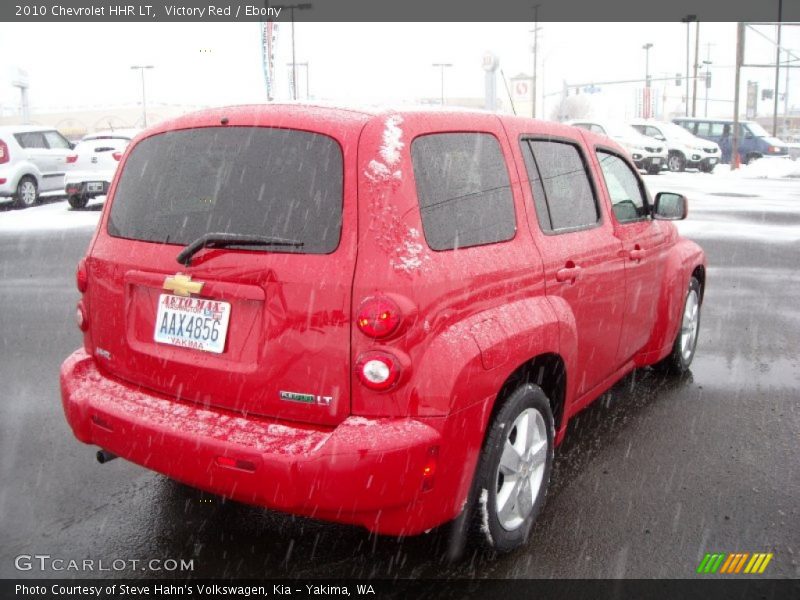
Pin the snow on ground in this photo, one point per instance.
(49, 216)
(732, 207)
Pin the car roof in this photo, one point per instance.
(128, 134)
(24, 128)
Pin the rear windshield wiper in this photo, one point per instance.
(221, 240)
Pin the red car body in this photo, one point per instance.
(396, 461)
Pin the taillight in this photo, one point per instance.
(378, 317)
(4, 157)
(378, 370)
(81, 276)
(116, 155)
(80, 317)
(71, 158)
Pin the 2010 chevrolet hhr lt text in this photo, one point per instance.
(383, 318)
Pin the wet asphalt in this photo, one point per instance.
(651, 477)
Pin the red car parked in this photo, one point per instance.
(378, 318)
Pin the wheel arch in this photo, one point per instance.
(549, 372)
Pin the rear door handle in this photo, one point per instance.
(568, 273)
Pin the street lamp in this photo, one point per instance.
(292, 8)
(646, 49)
(687, 19)
(294, 83)
(141, 69)
(442, 67)
(708, 64)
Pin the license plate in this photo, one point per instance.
(656, 161)
(195, 323)
(94, 186)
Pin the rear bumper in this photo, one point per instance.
(364, 471)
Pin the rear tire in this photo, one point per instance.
(27, 193)
(513, 471)
(683, 349)
(78, 200)
(751, 158)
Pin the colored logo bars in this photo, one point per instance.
(734, 563)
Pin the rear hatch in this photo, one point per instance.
(257, 325)
(97, 158)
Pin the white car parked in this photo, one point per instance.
(33, 160)
(686, 151)
(648, 154)
(94, 162)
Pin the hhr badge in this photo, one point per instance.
(182, 285)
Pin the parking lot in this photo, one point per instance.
(651, 477)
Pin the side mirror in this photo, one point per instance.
(670, 207)
(660, 138)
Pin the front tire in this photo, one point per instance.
(654, 169)
(683, 349)
(706, 168)
(513, 473)
(27, 193)
(676, 163)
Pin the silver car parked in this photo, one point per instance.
(33, 160)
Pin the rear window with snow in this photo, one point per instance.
(464, 190)
(178, 186)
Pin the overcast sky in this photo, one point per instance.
(79, 65)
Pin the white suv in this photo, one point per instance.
(33, 159)
(686, 151)
(648, 154)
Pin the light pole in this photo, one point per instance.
(141, 69)
(292, 8)
(442, 67)
(708, 64)
(308, 88)
(687, 19)
(646, 103)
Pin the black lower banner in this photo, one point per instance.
(497, 589)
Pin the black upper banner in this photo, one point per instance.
(397, 10)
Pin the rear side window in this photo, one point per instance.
(56, 141)
(177, 186)
(463, 189)
(560, 185)
(31, 139)
(627, 198)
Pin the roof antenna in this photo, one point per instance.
(508, 91)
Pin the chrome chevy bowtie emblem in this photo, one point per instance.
(182, 285)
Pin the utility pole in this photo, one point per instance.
(739, 61)
(696, 61)
(687, 19)
(646, 99)
(777, 71)
(535, 61)
(292, 8)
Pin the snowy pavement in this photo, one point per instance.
(53, 214)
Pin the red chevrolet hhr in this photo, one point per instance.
(382, 318)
